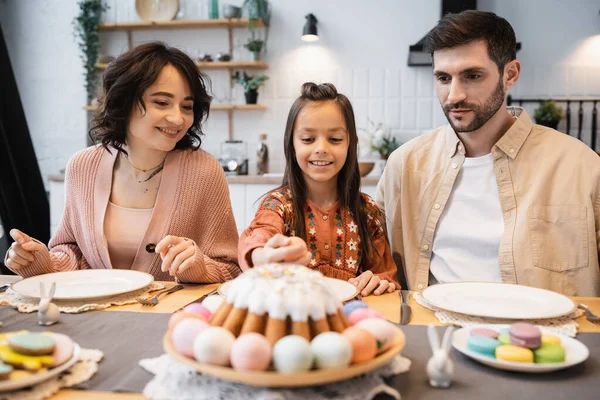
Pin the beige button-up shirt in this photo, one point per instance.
(549, 188)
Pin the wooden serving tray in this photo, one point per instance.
(273, 378)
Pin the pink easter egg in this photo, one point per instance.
(197, 308)
(363, 313)
(251, 352)
(184, 333)
(179, 315)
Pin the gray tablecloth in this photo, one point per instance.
(126, 337)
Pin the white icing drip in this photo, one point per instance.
(284, 290)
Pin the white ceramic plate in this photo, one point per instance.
(576, 352)
(497, 300)
(343, 289)
(86, 284)
(7, 385)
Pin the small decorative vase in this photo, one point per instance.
(251, 96)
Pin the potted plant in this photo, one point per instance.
(548, 114)
(250, 85)
(86, 30)
(377, 137)
(257, 10)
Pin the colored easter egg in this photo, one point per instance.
(383, 331)
(363, 313)
(353, 305)
(364, 345)
(197, 308)
(213, 346)
(185, 332)
(292, 354)
(179, 315)
(331, 350)
(250, 352)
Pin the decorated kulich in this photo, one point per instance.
(277, 300)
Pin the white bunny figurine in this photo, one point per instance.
(47, 312)
(439, 367)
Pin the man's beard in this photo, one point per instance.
(482, 114)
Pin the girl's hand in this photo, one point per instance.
(177, 254)
(367, 282)
(281, 248)
(20, 253)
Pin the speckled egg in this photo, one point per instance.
(383, 331)
(213, 302)
(197, 308)
(363, 313)
(184, 333)
(179, 315)
(364, 345)
(250, 352)
(353, 305)
(292, 354)
(331, 350)
(213, 346)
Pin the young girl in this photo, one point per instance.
(319, 203)
(147, 198)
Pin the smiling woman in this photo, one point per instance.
(147, 197)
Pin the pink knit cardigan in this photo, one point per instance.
(192, 202)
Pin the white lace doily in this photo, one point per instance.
(564, 325)
(174, 380)
(27, 304)
(80, 372)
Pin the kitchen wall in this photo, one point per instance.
(363, 50)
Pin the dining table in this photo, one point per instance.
(129, 333)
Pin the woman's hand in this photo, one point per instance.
(281, 248)
(20, 253)
(367, 282)
(177, 254)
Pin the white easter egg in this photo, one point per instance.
(213, 302)
(291, 354)
(331, 350)
(213, 346)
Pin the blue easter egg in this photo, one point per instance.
(353, 305)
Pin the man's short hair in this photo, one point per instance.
(472, 25)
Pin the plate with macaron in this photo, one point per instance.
(520, 347)
(28, 358)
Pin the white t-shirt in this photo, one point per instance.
(467, 238)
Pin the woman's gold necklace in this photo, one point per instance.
(156, 169)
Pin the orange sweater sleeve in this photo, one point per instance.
(270, 219)
(383, 264)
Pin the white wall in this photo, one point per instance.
(363, 50)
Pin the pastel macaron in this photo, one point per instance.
(524, 334)
(504, 338)
(509, 352)
(483, 345)
(548, 338)
(549, 353)
(484, 332)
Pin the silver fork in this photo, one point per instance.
(154, 300)
(589, 315)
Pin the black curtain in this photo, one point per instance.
(23, 200)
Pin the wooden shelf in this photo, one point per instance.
(178, 24)
(215, 107)
(217, 65)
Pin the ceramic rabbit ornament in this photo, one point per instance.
(47, 312)
(440, 369)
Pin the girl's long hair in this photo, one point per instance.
(348, 180)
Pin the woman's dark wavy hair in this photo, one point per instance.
(124, 83)
(348, 180)
(465, 27)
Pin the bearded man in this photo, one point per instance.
(491, 196)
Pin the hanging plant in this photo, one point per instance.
(86, 32)
(257, 10)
